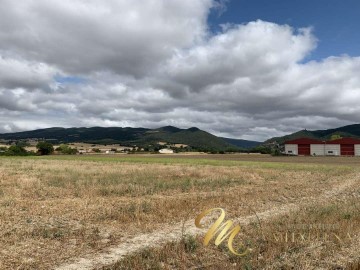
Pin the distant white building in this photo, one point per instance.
(166, 151)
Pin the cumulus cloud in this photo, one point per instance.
(155, 63)
(19, 73)
(126, 37)
(258, 50)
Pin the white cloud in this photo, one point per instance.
(126, 37)
(154, 63)
(16, 73)
(258, 50)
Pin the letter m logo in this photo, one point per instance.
(222, 230)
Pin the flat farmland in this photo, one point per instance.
(138, 211)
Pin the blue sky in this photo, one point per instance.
(335, 22)
(69, 79)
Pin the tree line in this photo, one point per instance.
(43, 148)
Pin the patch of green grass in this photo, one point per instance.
(190, 243)
(189, 161)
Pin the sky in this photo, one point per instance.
(242, 69)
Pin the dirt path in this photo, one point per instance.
(174, 232)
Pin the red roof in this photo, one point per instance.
(304, 141)
(344, 141)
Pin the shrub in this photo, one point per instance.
(45, 148)
(16, 150)
(65, 149)
(276, 152)
(261, 149)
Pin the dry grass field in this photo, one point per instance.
(138, 211)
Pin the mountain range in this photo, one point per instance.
(193, 137)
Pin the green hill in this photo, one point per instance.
(193, 137)
(345, 131)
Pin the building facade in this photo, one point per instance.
(312, 147)
(304, 147)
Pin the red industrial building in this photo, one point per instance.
(338, 147)
(348, 146)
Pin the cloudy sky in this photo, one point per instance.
(242, 69)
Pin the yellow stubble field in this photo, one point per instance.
(138, 212)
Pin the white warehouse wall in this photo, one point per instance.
(335, 148)
(317, 149)
(291, 149)
(357, 149)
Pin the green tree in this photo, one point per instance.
(22, 144)
(65, 149)
(45, 148)
(16, 150)
(276, 152)
(261, 149)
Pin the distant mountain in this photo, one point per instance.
(193, 137)
(242, 143)
(345, 131)
(79, 134)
